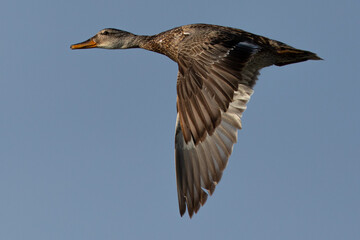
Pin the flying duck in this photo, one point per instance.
(218, 68)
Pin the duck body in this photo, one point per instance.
(195, 36)
(218, 68)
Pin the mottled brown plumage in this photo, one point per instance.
(218, 67)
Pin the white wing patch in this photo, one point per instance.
(249, 45)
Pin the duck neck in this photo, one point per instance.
(136, 41)
(154, 43)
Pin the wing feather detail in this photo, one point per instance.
(199, 167)
(214, 85)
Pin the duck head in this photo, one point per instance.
(108, 38)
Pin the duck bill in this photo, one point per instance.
(86, 44)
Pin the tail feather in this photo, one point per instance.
(289, 55)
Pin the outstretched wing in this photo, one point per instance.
(214, 84)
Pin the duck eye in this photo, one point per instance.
(105, 33)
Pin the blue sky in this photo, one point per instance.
(87, 137)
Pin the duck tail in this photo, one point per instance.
(288, 55)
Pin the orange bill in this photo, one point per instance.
(87, 44)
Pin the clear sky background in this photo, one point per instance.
(87, 136)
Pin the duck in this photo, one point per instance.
(217, 69)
